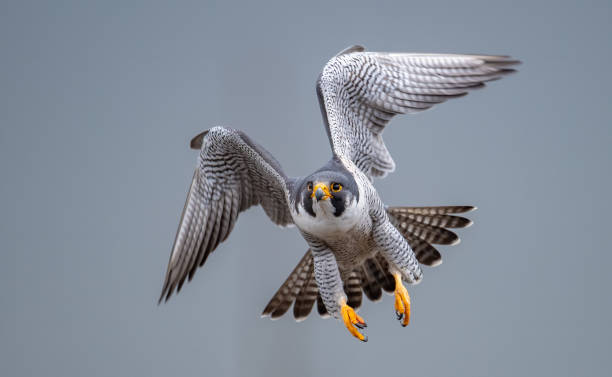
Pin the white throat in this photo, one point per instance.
(325, 224)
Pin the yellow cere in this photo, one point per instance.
(323, 187)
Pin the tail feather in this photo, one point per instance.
(446, 221)
(371, 287)
(306, 298)
(441, 210)
(425, 253)
(371, 277)
(283, 298)
(388, 282)
(352, 288)
(429, 233)
(423, 226)
(321, 307)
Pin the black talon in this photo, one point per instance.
(399, 315)
(365, 339)
(361, 326)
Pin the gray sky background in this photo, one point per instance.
(98, 101)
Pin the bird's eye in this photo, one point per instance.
(309, 186)
(336, 187)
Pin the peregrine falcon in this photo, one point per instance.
(355, 242)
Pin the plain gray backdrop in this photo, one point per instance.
(98, 101)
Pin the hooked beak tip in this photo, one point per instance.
(319, 194)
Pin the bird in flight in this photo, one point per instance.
(355, 242)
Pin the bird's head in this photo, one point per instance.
(328, 193)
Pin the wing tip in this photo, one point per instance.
(165, 293)
(501, 60)
(506, 72)
(198, 140)
(164, 297)
(351, 49)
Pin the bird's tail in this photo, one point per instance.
(300, 287)
(424, 226)
(421, 226)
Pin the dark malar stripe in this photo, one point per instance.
(339, 205)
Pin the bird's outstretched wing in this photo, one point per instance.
(359, 92)
(233, 173)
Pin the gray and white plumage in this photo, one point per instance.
(360, 92)
(232, 174)
(355, 241)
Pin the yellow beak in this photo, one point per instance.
(320, 191)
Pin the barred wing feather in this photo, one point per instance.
(360, 92)
(233, 173)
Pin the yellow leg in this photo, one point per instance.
(402, 300)
(352, 320)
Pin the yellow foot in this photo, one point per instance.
(402, 301)
(352, 320)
